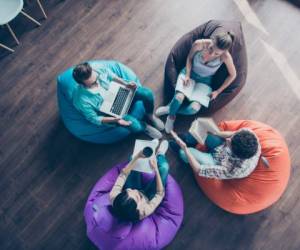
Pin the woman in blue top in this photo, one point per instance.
(88, 98)
(204, 59)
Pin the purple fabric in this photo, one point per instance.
(154, 232)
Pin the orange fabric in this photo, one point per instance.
(264, 186)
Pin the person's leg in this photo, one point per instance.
(201, 157)
(134, 180)
(174, 107)
(213, 141)
(163, 168)
(136, 126)
(146, 96)
(176, 103)
(191, 109)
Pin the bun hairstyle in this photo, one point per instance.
(224, 40)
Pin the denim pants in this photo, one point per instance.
(189, 109)
(211, 142)
(146, 96)
(134, 180)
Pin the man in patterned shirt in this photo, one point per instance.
(234, 155)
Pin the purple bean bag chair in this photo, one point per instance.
(154, 232)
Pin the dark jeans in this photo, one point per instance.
(134, 180)
(146, 96)
(211, 142)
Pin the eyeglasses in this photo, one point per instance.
(97, 79)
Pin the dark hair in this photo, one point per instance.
(125, 208)
(224, 40)
(244, 144)
(82, 72)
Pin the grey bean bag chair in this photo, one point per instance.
(178, 55)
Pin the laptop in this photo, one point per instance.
(117, 100)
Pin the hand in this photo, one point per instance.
(124, 123)
(178, 140)
(153, 164)
(132, 85)
(140, 154)
(186, 81)
(214, 95)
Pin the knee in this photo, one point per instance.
(147, 94)
(164, 167)
(183, 156)
(136, 126)
(195, 107)
(179, 97)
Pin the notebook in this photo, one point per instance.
(143, 165)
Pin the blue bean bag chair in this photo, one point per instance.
(76, 123)
(154, 232)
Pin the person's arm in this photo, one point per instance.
(197, 46)
(131, 84)
(159, 184)
(92, 116)
(160, 192)
(227, 59)
(208, 171)
(191, 159)
(120, 182)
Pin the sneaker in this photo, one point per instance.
(169, 125)
(153, 132)
(163, 147)
(163, 110)
(155, 142)
(156, 122)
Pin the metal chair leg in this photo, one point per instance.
(5, 47)
(30, 18)
(12, 33)
(42, 9)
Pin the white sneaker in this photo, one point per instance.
(163, 147)
(169, 125)
(163, 110)
(155, 142)
(158, 123)
(153, 132)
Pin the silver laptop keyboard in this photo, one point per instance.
(120, 101)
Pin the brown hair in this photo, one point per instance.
(224, 40)
(82, 72)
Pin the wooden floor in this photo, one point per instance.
(46, 174)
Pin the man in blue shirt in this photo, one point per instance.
(87, 99)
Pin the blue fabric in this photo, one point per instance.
(76, 123)
(174, 105)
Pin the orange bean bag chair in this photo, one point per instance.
(264, 185)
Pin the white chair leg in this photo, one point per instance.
(5, 47)
(42, 9)
(12, 33)
(30, 18)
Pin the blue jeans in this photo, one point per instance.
(134, 180)
(146, 96)
(192, 107)
(211, 142)
(176, 107)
